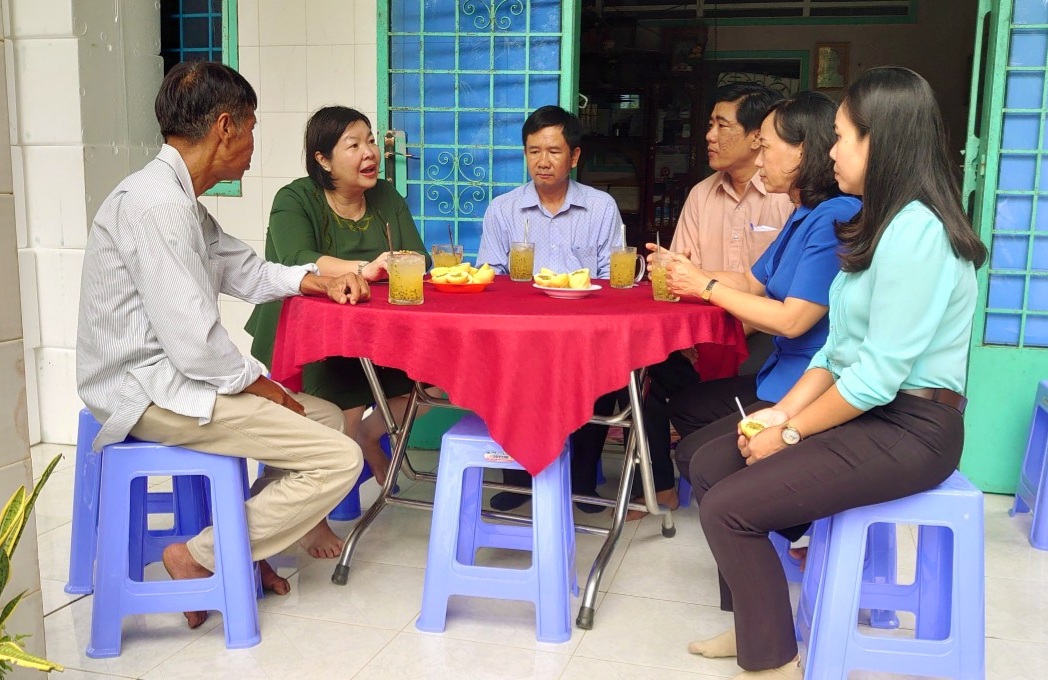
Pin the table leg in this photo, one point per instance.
(636, 453)
(398, 439)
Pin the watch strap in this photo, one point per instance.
(706, 294)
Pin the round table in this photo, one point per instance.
(529, 365)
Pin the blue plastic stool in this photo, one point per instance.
(947, 594)
(458, 531)
(1032, 475)
(119, 592)
(188, 502)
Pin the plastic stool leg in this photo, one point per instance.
(469, 515)
(881, 567)
(442, 547)
(233, 557)
(684, 492)
(552, 606)
(112, 561)
(935, 579)
(84, 537)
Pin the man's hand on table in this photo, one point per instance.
(350, 288)
(267, 389)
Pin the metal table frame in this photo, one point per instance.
(636, 452)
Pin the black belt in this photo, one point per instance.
(940, 395)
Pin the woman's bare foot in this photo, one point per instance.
(180, 565)
(377, 461)
(321, 542)
(667, 498)
(271, 581)
(719, 647)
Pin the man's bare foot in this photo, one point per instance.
(180, 565)
(271, 581)
(321, 542)
(667, 498)
(801, 555)
(376, 459)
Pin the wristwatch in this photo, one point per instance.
(709, 290)
(360, 268)
(790, 435)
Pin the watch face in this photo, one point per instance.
(790, 436)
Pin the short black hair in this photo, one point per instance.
(325, 127)
(753, 102)
(553, 116)
(806, 120)
(195, 93)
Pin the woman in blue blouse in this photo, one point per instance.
(877, 415)
(786, 293)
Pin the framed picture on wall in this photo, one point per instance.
(831, 65)
(686, 47)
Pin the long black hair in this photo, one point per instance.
(806, 119)
(909, 160)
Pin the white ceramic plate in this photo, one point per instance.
(567, 293)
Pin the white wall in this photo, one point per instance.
(298, 56)
(15, 465)
(84, 75)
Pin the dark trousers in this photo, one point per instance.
(587, 442)
(905, 447)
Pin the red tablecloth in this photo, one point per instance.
(531, 366)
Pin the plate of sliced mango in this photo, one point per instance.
(564, 285)
(462, 278)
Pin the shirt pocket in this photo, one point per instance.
(758, 240)
(586, 257)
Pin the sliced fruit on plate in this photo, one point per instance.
(559, 281)
(484, 275)
(579, 279)
(547, 272)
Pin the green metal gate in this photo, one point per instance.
(1007, 174)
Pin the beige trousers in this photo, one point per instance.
(310, 464)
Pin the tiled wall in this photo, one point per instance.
(69, 62)
(15, 466)
(298, 56)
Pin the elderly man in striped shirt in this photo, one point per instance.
(153, 360)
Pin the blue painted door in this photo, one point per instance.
(462, 77)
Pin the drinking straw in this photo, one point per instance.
(658, 248)
(622, 225)
(526, 230)
(741, 410)
(451, 237)
(389, 239)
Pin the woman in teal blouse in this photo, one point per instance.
(336, 218)
(877, 415)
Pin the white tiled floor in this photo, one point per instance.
(657, 595)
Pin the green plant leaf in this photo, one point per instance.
(12, 516)
(5, 570)
(9, 651)
(32, 502)
(9, 608)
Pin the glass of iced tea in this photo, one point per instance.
(406, 269)
(521, 260)
(659, 288)
(446, 254)
(624, 267)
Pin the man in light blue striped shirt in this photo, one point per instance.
(573, 226)
(153, 360)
